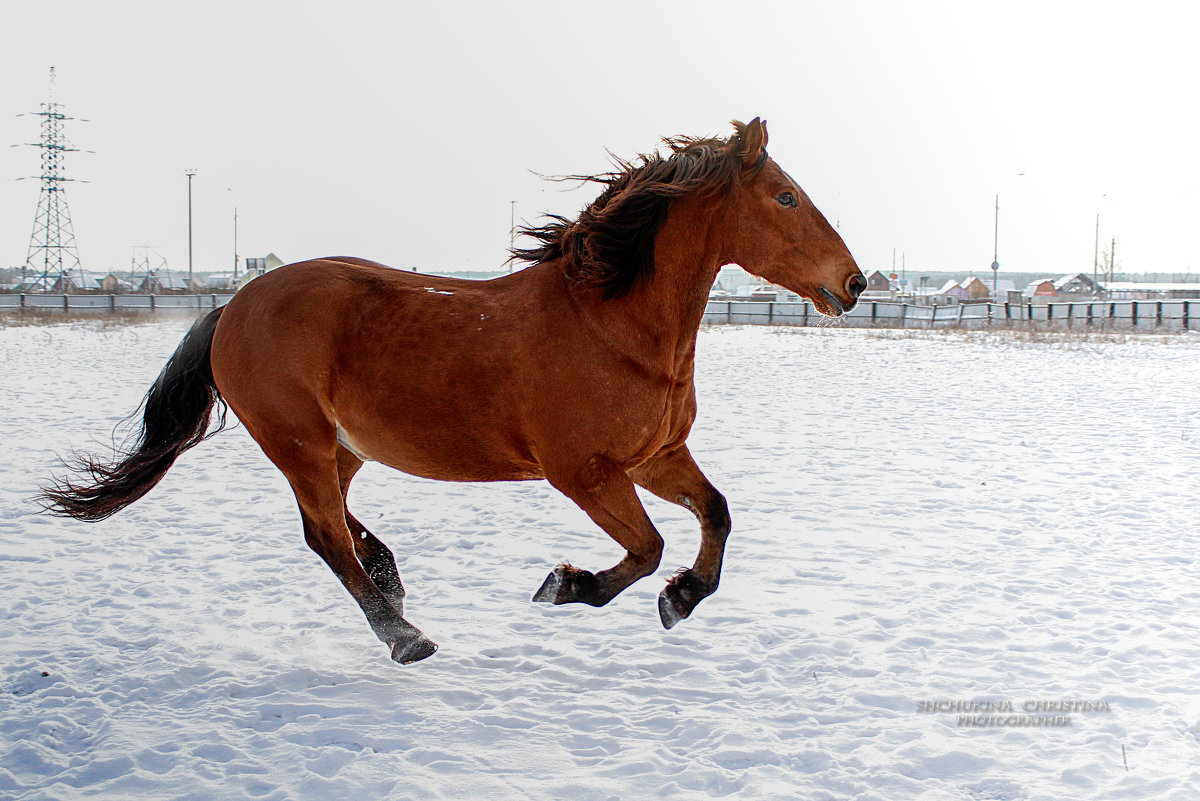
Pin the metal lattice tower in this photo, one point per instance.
(53, 261)
(144, 275)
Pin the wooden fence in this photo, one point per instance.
(1141, 315)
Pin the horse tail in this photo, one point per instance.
(175, 417)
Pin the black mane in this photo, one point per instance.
(611, 244)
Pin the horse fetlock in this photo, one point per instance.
(681, 595)
(567, 584)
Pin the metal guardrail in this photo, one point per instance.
(113, 303)
(1168, 315)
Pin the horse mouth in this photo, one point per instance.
(835, 304)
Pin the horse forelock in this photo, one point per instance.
(611, 243)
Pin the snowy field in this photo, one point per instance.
(920, 519)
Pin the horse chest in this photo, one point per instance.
(673, 423)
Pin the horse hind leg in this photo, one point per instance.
(379, 562)
(323, 511)
(375, 557)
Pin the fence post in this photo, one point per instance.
(904, 315)
(1187, 308)
(112, 302)
(1134, 313)
(1158, 314)
(66, 302)
(806, 314)
(770, 312)
(153, 302)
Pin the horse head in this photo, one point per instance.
(775, 231)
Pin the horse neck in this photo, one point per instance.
(661, 316)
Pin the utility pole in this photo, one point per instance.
(512, 232)
(996, 249)
(190, 174)
(1096, 258)
(235, 255)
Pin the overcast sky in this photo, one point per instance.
(401, 132)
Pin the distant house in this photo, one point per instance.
(877, 281)
(1076, 284)
(114, 284)
(153, 283)
(257, 266)
(952, 289)
(65, 283)
(1041, 288)
(975, 289)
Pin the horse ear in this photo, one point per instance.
(750, 142)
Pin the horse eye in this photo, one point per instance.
(787, 200)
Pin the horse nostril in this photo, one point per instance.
(856, 285)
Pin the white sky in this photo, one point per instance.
(401, 131)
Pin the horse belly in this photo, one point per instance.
(441, 450)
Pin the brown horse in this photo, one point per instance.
(577, 369)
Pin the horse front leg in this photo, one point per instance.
(605, 492)
(674, 476)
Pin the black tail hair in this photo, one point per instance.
(175, 417)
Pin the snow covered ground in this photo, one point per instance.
(919, 519)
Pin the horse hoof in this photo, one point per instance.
(548, 592)
(414, 650)
(667, 612)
